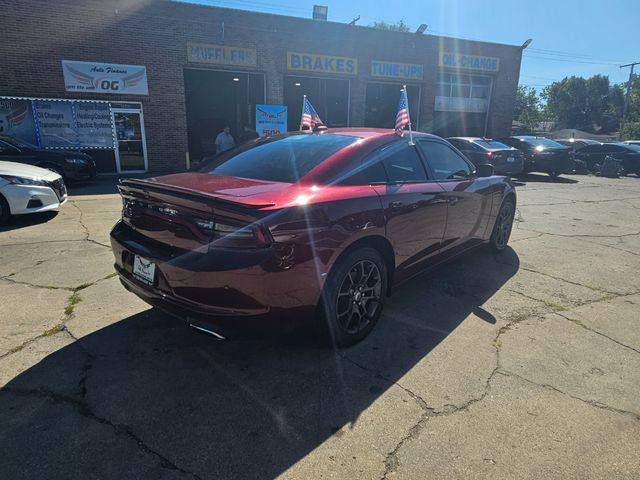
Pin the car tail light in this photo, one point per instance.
(489, 154)
(229, 235)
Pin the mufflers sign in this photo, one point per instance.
(105, 78)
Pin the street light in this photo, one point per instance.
(526, 43)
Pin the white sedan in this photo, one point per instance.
(28, 189)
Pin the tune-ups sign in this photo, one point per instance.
(105, 78)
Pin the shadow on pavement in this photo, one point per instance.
(21, 221)
(102, 185)
(148, 397)
(541, 178)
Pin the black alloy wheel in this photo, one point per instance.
(504, 224)
(358, 299)
(354, 296)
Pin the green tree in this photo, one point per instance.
(566, 103)
(396, 27)
(528, 110)
(630, 131)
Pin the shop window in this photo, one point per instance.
(330, 98)
(215, 100)
(381, 104)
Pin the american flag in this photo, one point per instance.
(402, 117)
(310, 117)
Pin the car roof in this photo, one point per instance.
(365, 132)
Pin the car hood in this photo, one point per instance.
(23, 170)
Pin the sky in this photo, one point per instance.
(570, 37)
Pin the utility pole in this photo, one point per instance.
(626, 97)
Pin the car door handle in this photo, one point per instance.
(453, 200)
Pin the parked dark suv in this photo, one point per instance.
(71, 165)
(627, 154)
(542, 154)
(505, 159)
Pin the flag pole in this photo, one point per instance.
(406, 99)
(304, 100)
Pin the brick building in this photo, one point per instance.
(179, 72)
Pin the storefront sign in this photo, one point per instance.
(105, 78)
(460, 104)
(310, 62)
(94, 125)
(63, 124)
(469, 62)
(220, 54)
(16, 119)
(404, 71)
(55, 124)
(271, 120)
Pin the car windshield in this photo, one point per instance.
(492, 144)
(17, 142)
(278, 159)
(541, 142)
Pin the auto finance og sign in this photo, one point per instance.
(105, 78)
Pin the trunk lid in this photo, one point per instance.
(183, 210)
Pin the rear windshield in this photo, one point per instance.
(631, 146)
(542, 142)
(492, 144)
(279, 159)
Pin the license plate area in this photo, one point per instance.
(510, 159)
(144, 270)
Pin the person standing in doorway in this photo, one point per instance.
(224, 141)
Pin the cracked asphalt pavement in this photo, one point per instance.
(520, 365)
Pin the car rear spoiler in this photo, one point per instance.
(146, 185)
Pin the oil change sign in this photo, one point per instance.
(310, 62)
(105, 78)
(469, 62)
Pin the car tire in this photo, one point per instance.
(5, 211)
(503, 226)
(354, 296)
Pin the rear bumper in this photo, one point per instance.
(508, 168)
(230, 291)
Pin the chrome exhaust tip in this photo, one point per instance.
(206, 330)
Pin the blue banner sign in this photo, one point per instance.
(271, 120)
(404, 71)
(310, 62)
(469, 62)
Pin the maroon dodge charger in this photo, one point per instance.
(305, 225)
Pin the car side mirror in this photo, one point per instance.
(484, 170)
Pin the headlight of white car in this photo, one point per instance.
(23, 180)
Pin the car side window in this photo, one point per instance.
(402, 163)
(445, 163)
(370, 172)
